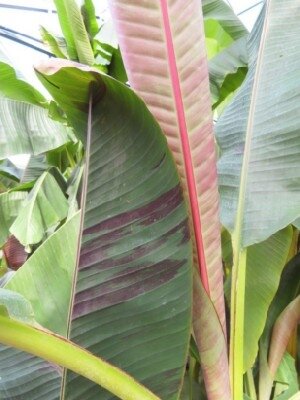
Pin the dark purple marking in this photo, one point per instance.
(125, 285)
(146, 215)
(91, 255)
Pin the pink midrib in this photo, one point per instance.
(185, 146)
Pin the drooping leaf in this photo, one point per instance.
(27, 129)
(35, 167)
(10, 205)
(265, 262)
(227, 70)
(221, 12)
(14, 87)
(165, 60)
(135, 254)
(44, 207)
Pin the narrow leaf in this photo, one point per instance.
(71, 21)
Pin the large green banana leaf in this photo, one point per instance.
(132, 292)
(261, 127)
(166, 64)
(259, 168)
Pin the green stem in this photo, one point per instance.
(60, 351)
(237, 323)
(250, 385)
(192, 364)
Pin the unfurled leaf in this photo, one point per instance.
(266, 142)
(135, 257)
(165, 60)
(259, 166)
(44, 207)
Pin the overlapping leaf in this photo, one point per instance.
(261, 126)
(134, 278)
(166, 64)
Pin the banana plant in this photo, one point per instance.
(259, 170)
(133, 254)
(123, 273)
